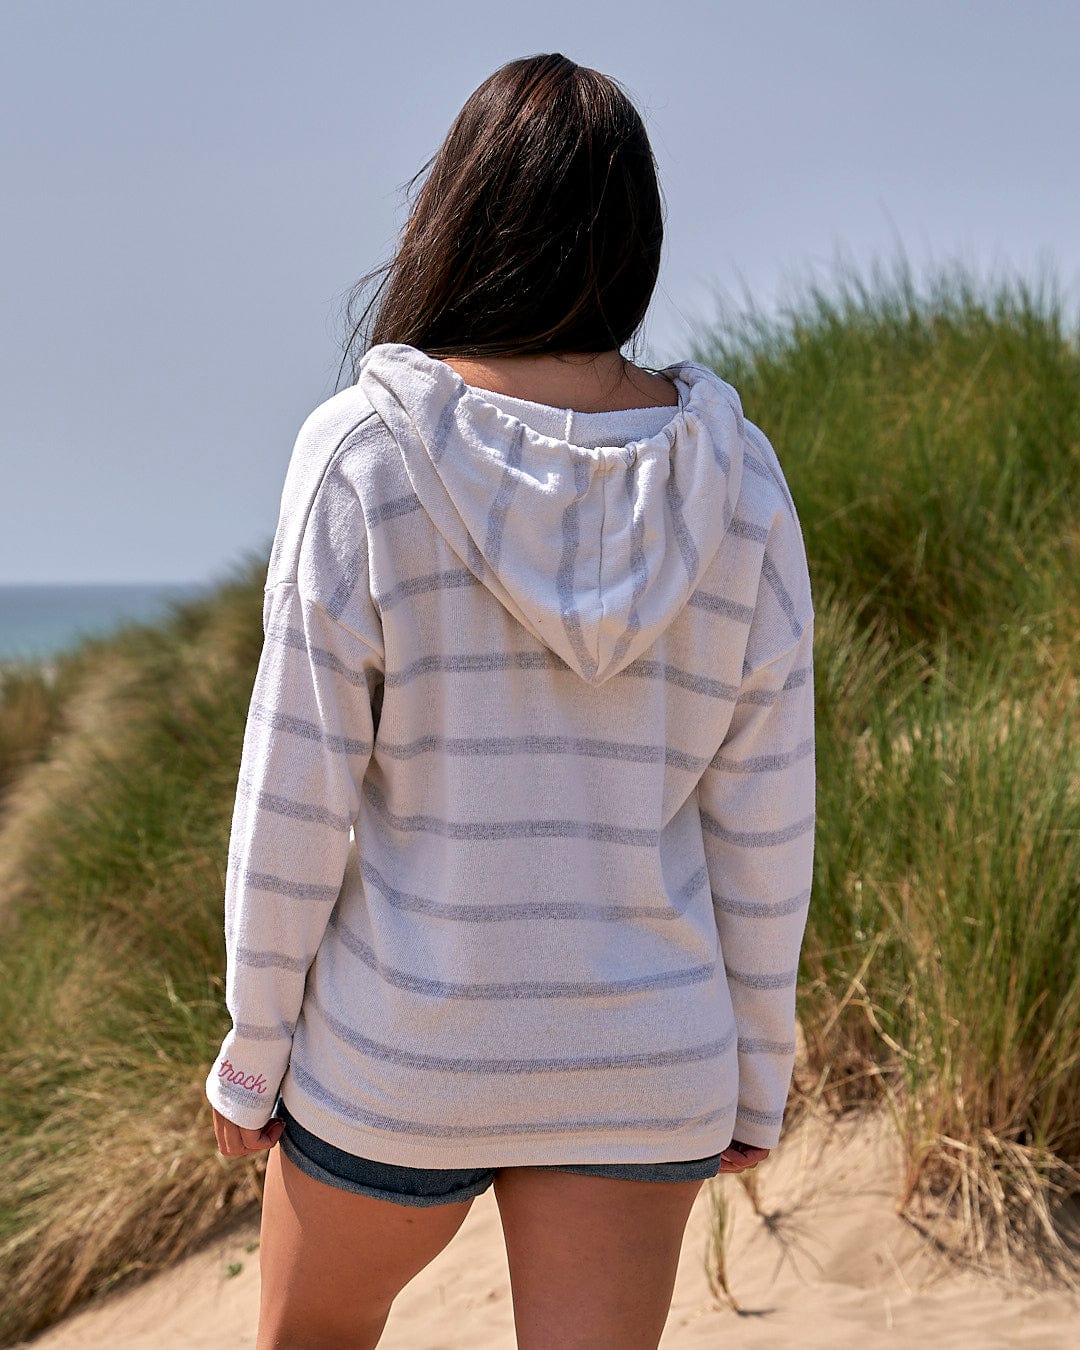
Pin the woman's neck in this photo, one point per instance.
(584, 382)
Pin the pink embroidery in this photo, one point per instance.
(250, 1081)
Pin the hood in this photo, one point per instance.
(594, 551)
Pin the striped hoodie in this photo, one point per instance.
(522, 843)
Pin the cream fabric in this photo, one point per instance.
(523, 836)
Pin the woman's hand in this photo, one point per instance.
(737, 1157)
(234, 1142)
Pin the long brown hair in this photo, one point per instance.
(538, 227)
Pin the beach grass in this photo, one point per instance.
(31, 711)
(112, 990)
(931, 439)
(930, 436)
(941, 969)
(932, 442)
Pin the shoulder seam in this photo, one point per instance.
(765, 460)
(346, 437)
(317, 604)
(335, 455)
(786, 654)
(331, 458)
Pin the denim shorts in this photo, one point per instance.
(446, 1185)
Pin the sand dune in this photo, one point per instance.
(831, 1264)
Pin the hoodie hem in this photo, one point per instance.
(627, 1145)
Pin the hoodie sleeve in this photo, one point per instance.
(307, 744)
(757, 800)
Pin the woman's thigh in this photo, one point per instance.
(592, 1259)
(332, 1262)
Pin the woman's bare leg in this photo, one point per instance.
(332, 1262)
(592, 1259)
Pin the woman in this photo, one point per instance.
(522, 844)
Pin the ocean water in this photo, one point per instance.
(39, 620)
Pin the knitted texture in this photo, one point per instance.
(522, 843)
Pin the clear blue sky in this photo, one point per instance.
(190, 189)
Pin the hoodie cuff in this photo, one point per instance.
(245, 1098)
(757, 1128)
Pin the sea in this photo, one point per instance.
(39, 620)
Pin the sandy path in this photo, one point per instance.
(833, 1266)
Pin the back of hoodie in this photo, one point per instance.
(523, 837)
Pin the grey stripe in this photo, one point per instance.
(638, 569)
(546, 659)
(343, 591)
(442, 428)
(564, 578)
(467, 662)
(512, 829)
(745, 529)
(795, 680)
(757, 838)
(763, 763)
(356, 564)
(450, 580)
(476, 560)
(285, 806)
(443, 1129)
(720, 604)
(497, 516)
(687, 549)
(295, 890)
(779, 979)
(250, 1032)
(772, 576)
(401, 429)
(685, 679)
(270, 960)
(518, 989)
(289, 636)
(554, 1064)
(396, 506)
(242, 1096)
(756, 1045)
(755, 466)
(759, 697)
(761, 1117)
(679, 759)
(719, 453)
(535, 909)
(762, 909)
(311, 731)
(544, 745)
